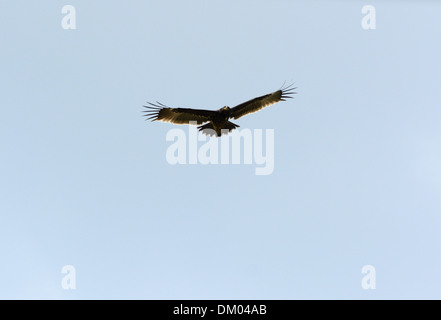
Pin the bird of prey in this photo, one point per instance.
(216, 121)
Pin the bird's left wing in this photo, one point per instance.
(259, 103)
(160, 112)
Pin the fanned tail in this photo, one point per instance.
(209, 130)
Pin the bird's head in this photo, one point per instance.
(224, 111)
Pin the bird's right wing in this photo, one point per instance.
(160, 112)
(259, 103)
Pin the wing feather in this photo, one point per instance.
(160, 112)
(259, 103)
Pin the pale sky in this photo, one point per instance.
(85, 180)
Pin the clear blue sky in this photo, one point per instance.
(85, 182)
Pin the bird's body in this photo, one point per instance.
(216, 122)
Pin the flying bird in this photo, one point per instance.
(215, 122)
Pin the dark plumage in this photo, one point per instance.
(217, 120)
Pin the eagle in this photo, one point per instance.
(215, 122)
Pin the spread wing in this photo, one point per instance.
(161, 112)
(259, 103)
